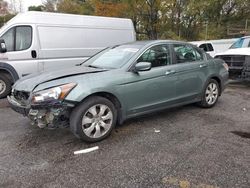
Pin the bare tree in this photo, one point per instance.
(12, 6)
(50, 5)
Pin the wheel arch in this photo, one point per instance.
(218, 79)
(114, 99)
(9, 71)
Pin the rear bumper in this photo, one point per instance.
(17, 107)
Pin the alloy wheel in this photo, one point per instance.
(212, 93)
(97, 121)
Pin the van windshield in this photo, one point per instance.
(113, 58)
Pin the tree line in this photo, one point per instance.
(166, 19)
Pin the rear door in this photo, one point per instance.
(190, 68)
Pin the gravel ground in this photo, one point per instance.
(183, 147)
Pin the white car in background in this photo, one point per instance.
(212, 47)
(238, 58)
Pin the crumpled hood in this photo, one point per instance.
(28, 83)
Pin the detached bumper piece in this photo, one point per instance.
(17, 107)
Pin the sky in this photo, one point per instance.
(25, 3)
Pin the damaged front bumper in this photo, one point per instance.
(52, 115)
(17, 107)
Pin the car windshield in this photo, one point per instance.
(241, 43)
(237, 44)
(113, 58)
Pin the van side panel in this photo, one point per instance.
(68, 46)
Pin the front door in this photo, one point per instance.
(149, 90)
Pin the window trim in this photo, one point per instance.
(14, 39)
(210, 49)
(191, 46)
(131, 67)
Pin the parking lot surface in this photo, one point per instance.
(182, 147)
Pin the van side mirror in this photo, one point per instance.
(3, 48)
(142, 66)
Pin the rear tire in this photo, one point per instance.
(5, 86)
(210, 94)
(94, 119)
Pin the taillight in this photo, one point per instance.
(226, 66)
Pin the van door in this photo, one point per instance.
(22, 52)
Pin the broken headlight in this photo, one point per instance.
(55, 93)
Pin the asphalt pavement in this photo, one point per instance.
(182, 147)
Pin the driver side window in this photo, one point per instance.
(157, 56)
(18, 38)
(8, 38)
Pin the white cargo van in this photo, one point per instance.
(39, 41)
(214, 46)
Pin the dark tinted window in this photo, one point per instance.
(207, 47)
(185, 53)
(204, 47)
(157, 56)
(210, 47)
(18, 38)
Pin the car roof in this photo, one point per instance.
(245, 37)
(152, 42)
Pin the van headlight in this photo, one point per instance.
(55, 93)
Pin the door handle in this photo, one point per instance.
(169, 72)
(203, 65)
(33, 54)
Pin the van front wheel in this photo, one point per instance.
(5, 86)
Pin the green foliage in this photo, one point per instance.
(166, 19)
(36, 8)
(6, 18)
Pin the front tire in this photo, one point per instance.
(210, 94)
(5, 86)
(94, 119)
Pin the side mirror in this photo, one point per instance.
(3, 48)
(143, 66)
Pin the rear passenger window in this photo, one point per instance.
(18, 38)
(157, 56)
(185, 53)
(210, 47)
(204, 47)
(207, 47)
